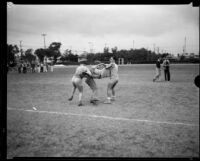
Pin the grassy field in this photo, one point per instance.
(148, 119)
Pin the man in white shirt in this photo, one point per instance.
(114, 79)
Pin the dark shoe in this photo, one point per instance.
(70, 98)
(93, 102)
(80, 104)
(94, 99)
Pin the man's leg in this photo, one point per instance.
(159, 73)
(80, 88)
(92, 84)
(73, 91)
(113, 90)
(165, 74)
(110, 90)
(108, 93)
(168, 75)
(156, 76)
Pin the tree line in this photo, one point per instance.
(132, 56)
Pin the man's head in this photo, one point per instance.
(112, 60)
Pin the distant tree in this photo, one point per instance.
(72, 57)
(106, 50)
(41, 53)
(29, 55)
(54, 50)
(114, 50)
(182, 58)
(12, 50)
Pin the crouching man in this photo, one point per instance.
(81, 71)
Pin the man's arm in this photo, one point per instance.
(109, 65)
(100, 66)
(86, 73)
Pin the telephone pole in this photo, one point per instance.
(90, 46)
(133, 44)
(44, 40)
(185, 45)
(20, 44)
(158, 50)
(154, 48)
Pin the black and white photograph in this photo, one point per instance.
(102, 80)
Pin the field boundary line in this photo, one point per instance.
(104, 117)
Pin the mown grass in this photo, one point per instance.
(46, 135)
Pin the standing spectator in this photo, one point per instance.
(51, 66)
(158, 70)
(45, 67)
(19, 67)
(27, 67)
(38, 67)
(42, 67)
(24, 67)
(33, 66)
(166, 65)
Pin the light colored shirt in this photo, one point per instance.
(113, 70)
(166, 64)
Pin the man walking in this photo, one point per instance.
(158, 70)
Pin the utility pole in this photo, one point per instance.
(44, 40)
(133, 44)
(158, 50)
(90, 46)
(20, 47)
(154, 48)
(185, 45)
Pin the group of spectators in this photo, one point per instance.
(24, 67)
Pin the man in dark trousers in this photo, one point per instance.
(158, 70)
(166, 65)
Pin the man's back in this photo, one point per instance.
(80, 70)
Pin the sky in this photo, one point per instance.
(92, 27)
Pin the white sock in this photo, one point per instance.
(80, 97)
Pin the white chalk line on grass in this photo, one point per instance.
(105, 117)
